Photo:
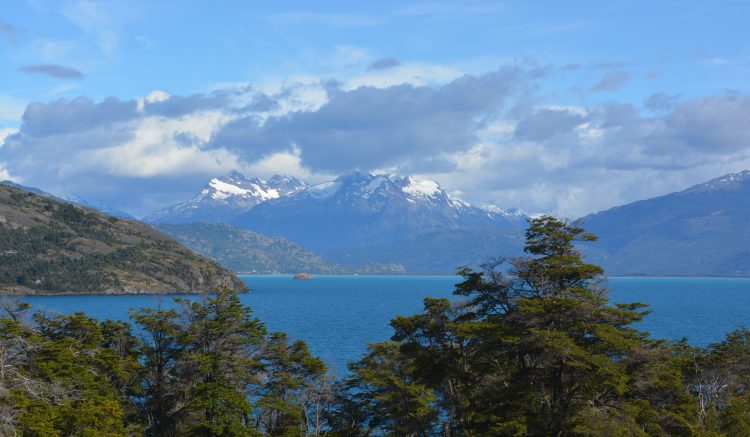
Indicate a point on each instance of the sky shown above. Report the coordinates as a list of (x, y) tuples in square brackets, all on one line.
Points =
[(551, 107)]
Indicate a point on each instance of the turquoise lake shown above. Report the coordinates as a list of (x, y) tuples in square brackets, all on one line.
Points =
[(339, 315)]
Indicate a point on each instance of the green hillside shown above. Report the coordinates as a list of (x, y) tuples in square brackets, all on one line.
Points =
[(50, 246)]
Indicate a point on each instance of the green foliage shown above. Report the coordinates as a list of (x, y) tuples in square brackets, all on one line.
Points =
[(536, 349), (295, 391), (76, 377), (533, 349), (211, 369)]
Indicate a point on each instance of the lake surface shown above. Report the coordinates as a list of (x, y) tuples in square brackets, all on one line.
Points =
[(339, 315)]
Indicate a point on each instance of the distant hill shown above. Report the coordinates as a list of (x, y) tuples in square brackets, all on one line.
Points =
[(51, 246), (701, 231), (248, 252), (438, 252), (226, 197)]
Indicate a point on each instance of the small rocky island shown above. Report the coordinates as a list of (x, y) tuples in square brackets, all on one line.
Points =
[(303, 276)]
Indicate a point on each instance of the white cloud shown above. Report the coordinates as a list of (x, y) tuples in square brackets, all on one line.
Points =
[(152, 97), (4, 175), (489, 136), (287, 163), (155, 148), (5, 132)]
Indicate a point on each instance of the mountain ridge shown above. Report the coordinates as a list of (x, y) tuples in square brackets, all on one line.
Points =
[(362, 209), (702, 230), (226, 196)]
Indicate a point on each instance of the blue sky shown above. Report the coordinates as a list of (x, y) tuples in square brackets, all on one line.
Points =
[(564, 107)]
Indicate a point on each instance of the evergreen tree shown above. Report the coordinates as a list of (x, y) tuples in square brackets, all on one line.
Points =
[(295, 390), (534, 349), (220, 358), (164, 391)]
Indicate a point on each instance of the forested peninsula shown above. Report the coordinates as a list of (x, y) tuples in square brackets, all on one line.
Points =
[(48, 246)]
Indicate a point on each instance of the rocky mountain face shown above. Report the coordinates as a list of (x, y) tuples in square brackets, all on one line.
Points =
[(703, 230), (223, 198), (363, 217), (51, 246), (363, 209)]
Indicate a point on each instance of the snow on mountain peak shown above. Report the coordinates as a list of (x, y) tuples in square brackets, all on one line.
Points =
[(733, 177), (224, 189), (324, 189), (512, 212), (421, 187), (374, 184), (226, 196), (254, 188), (731, 181)]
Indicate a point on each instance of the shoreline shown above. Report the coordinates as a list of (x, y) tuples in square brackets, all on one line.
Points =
[(453, 274), (4, 294)]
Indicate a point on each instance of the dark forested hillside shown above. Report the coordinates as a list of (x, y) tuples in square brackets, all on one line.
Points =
[(247, 251), (50, 246)]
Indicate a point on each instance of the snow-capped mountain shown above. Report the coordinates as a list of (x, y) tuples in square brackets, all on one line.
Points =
[(362, 209), (225, 197), (728, 182)]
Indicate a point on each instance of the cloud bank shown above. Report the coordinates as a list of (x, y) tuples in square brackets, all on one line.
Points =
[(488, 135)]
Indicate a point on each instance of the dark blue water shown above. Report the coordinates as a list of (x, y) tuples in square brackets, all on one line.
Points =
[(339, 315)]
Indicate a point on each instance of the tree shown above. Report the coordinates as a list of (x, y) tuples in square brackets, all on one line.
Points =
[(221, 343), (535, 348), (394, 402), (164, 392), (295, 391), (79, 378)]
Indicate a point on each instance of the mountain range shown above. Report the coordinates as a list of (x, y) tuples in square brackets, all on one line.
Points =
[(362, 222), (417, 224), (224, 198), (362, 209), (380, 223)]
